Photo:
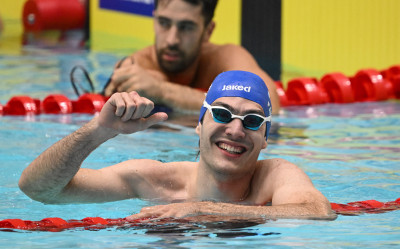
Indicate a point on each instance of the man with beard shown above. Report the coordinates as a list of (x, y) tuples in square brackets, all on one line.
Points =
[(182, 63)]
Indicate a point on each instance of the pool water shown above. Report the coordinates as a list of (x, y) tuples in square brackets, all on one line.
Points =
[(351, 152)]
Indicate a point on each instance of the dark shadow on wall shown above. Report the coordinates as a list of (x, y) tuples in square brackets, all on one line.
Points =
[(261, 33)]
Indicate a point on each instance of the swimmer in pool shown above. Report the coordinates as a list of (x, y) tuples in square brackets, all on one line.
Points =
[(228, 179), (182, 63)]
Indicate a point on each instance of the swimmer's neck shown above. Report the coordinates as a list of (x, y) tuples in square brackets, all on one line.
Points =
[(186, 77)]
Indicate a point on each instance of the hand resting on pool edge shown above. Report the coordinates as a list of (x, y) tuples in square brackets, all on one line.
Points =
[(227, 181)]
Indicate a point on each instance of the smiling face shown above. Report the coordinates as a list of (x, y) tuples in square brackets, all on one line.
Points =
[(180, 32), (230, 149)]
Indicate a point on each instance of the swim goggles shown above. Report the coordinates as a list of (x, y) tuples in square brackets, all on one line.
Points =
[(222, 115)]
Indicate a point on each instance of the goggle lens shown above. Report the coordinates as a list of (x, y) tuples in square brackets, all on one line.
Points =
[(252, 121), (249, 121), (222, 115)]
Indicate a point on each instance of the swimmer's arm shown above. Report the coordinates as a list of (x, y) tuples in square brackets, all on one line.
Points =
[(150, 83), (50, 176), (299, 205), (137, 178), (293, 189), (180, 98), (232, 57), (293, 193), (213, 210)]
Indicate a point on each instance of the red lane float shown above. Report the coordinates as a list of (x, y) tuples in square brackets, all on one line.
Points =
[(56, 224), (338, 88), (392, 75), (365, 85), (369, 85), (57, 104), (54, 104), (396, 86), (282, 94), (89, 103), (22, 105), (53, 15), (305, 91), (369, 206)]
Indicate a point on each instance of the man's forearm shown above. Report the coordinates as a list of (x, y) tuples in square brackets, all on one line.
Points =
[(297, 211), (48, 174), (181, 98), (203, 210)]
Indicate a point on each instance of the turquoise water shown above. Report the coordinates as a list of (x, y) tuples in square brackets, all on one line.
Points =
[(351, 152)]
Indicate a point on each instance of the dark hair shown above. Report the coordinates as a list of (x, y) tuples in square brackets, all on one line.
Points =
[(208, 8)]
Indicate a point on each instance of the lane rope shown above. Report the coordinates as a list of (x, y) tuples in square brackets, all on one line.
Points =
[(56, 224), (365, 85)]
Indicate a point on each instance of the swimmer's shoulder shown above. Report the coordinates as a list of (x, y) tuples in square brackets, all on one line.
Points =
[(146, 58), (153, 168), (264, 181), (217, 50), (278, 171), (274, 165), (268, 175), (219, 58), (214, 59)]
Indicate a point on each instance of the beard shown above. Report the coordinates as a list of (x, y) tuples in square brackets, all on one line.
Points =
[(181, 64)]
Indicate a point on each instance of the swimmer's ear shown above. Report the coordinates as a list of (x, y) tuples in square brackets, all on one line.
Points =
[(198, 127), (208, 32), (265, 144)]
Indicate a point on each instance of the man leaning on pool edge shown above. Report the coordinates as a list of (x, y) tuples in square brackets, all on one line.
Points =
[(182, 63), (228, 179)]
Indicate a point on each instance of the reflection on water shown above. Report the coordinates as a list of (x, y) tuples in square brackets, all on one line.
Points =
[(183, 227)]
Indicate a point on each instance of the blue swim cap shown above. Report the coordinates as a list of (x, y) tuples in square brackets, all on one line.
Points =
[(240, 84)]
